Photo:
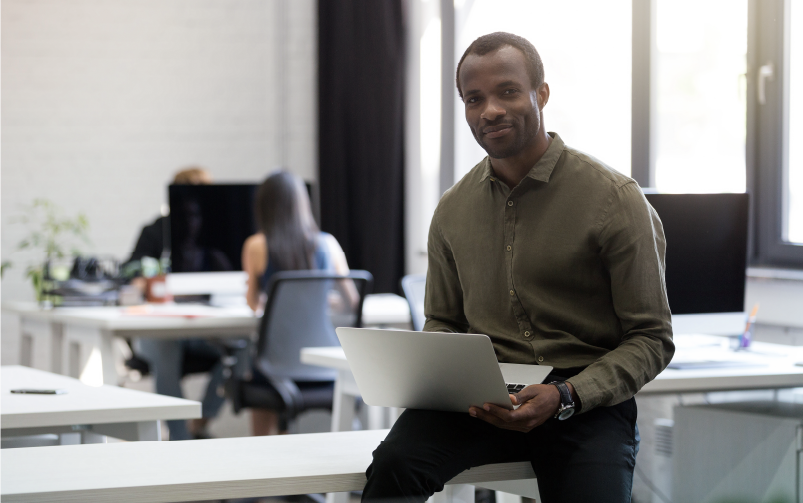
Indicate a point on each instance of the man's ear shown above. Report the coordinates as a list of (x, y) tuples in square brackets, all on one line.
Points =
[(543, 95)]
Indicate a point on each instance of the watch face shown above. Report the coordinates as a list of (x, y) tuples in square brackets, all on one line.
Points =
[(566, 414)]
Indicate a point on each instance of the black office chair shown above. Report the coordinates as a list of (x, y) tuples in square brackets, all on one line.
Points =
[(192, 363), (414, 286), (302, 310)]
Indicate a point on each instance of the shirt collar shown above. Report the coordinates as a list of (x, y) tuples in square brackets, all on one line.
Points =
[(542, 169)]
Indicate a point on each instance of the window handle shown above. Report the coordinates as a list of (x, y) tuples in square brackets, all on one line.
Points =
[(765, 72)]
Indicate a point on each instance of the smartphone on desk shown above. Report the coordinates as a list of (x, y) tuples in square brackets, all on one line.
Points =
[(39, 391)]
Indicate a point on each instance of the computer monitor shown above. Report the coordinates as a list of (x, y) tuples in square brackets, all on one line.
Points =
[(208, 226), (706, 260)]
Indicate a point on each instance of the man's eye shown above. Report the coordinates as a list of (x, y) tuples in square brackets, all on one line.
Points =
[(510, 91), (472, 100)]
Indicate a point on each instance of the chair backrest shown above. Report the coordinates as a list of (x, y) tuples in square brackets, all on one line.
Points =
[(414, 286), (301, 311)]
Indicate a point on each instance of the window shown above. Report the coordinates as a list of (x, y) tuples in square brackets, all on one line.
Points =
[(775, 127), (793, 218), (700, 63), (710, 91), (586, 63)]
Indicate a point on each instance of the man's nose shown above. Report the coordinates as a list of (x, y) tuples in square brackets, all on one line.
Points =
[(492, 111)]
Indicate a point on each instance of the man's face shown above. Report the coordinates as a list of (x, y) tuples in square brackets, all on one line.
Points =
[(502, 108)]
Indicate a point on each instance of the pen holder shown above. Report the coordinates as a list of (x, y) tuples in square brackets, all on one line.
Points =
[(746, 337)]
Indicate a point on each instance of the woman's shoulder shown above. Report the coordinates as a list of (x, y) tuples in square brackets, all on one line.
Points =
[(255, 251), (255, 240), (327, 240)]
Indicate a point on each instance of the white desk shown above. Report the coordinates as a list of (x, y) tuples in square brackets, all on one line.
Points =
[(72, 335), (225, 468), (766, 366), (386, 309), (107, 410), (776, 369)]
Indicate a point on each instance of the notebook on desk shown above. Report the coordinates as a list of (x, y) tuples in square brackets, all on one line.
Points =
[(432, 370)]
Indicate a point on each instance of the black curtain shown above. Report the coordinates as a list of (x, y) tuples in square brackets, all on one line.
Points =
[(361, 133)]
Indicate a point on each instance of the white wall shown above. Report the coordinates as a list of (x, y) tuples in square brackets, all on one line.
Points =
[(102, 101)]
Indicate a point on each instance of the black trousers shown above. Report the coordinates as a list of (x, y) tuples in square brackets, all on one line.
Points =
[(587, 458)]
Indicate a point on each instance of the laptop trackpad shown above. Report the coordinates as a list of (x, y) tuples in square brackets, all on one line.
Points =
[(524, 374)]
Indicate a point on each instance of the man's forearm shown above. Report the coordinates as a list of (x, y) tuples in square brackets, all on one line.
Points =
[(618, 375), (437, 325)]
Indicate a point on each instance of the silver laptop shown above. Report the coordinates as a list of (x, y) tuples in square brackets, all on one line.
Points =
[(432, 370)]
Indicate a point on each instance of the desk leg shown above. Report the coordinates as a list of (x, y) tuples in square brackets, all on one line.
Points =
[(28, 336), (90, 437), (511, 491), (72, 438), (107, 358), (142, 430), (89, 355), (343, 416), (343, 401), (503, 497), (377, 417), (337, 497), (56, 347), (41, 344), (149, 430), (457, 493)]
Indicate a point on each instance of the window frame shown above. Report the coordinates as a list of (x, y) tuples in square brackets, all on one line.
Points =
[(767, 152)]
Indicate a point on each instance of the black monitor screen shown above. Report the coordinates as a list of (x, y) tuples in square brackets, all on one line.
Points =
[(706, 250), (208, 226)]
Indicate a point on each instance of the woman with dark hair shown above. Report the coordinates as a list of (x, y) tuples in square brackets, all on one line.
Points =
[(288, 239)]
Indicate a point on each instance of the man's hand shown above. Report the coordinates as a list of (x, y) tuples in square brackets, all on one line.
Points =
[(538, 403)]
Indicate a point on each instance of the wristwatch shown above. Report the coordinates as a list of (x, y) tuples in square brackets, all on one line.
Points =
[(566, 409)]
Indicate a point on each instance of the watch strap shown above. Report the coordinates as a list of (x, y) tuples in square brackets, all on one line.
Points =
[(566, 409), (565, 394)]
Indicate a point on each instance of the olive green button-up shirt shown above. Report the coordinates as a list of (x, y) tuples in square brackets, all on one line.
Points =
[(566, 269)]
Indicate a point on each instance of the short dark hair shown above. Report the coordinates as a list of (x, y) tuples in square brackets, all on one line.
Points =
[(496, 40)]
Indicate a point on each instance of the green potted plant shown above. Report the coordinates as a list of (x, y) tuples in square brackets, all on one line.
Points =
[(53, 238)]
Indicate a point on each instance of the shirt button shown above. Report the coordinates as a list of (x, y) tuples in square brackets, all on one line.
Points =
[(526, 334), (510, 203), (540, 359), (509, 247), (512, 293)]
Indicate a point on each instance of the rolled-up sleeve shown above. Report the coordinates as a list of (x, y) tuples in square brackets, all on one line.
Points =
[(632, 247)]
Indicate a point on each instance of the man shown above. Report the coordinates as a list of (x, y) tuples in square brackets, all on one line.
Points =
[(165, 358), (151, 242), (560, 260)]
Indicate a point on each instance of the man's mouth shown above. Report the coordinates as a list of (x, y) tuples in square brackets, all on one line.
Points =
[(497, 131)]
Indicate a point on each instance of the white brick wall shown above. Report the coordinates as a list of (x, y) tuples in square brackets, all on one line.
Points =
[(102, 101)]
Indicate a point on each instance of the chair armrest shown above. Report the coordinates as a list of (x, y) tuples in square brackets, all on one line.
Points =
[(291, 395)]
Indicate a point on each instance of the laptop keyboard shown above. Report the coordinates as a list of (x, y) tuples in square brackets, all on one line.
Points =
[(515, 388)]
